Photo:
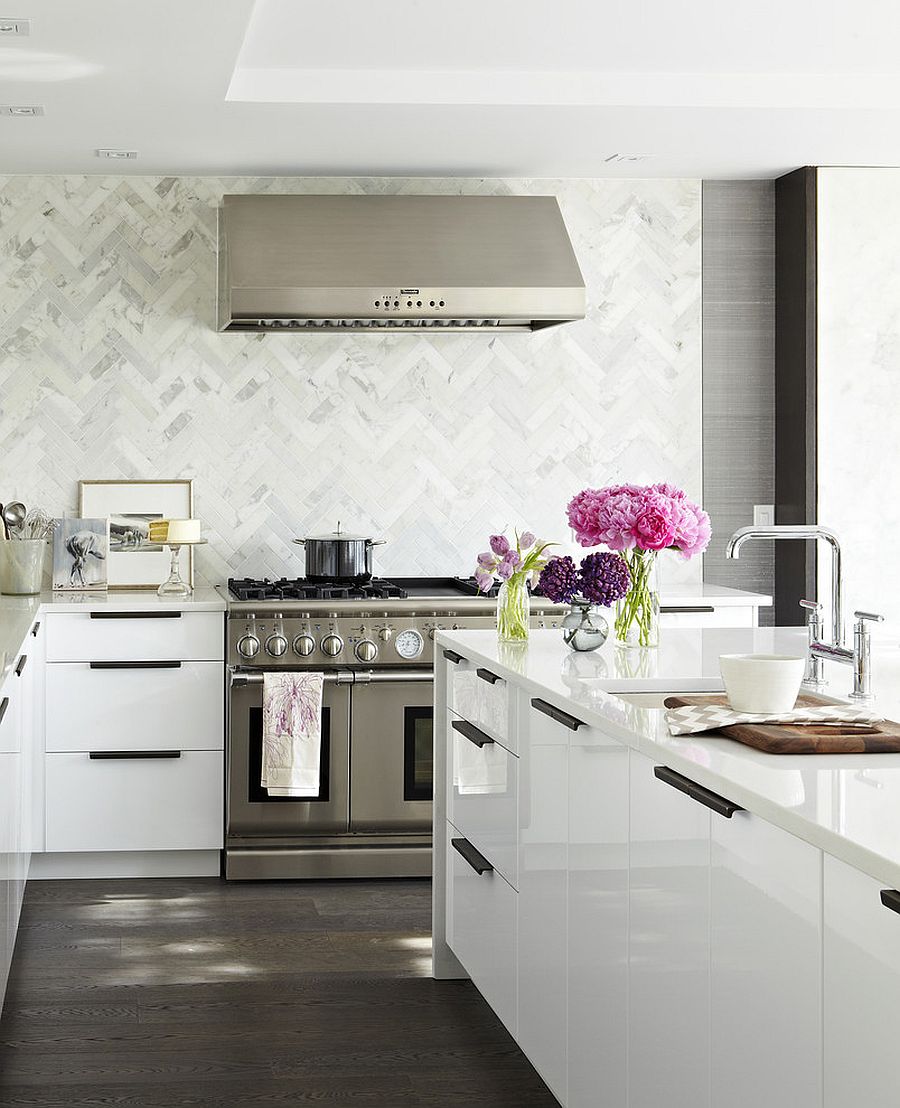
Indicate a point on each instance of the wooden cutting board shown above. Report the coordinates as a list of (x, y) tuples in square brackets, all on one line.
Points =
[(803, 738)]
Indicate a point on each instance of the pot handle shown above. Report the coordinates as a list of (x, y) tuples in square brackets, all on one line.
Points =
[(300, 542), (376, 542)]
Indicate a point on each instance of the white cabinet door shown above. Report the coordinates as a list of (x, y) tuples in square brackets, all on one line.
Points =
[(543, 884), (766, 965), (598, 921), (862, 989), (157, 634), (668, 995)]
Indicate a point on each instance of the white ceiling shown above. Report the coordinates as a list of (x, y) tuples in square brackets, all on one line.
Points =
[(467, 87)]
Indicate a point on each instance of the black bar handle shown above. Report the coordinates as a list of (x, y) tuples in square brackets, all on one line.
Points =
[(557, 714), (136, 615), (35, 629), (476, 860), (118, 755), (135, 665), (20, 665), (471, 732), (674, 608), (453, 657), (890, 898), (718, 804), (4, 704), (486, 675)]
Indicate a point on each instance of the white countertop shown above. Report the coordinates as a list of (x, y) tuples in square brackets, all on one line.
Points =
[(719, 595), (847, 805), (18, 613)]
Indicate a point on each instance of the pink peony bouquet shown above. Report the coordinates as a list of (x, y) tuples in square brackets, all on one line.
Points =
[(642, 517)]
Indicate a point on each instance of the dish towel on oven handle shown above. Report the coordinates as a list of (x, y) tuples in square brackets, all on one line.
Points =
[(692, 719), (292, 733)]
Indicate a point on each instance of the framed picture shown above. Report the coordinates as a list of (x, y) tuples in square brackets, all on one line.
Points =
[(80, 554), (135, 562)]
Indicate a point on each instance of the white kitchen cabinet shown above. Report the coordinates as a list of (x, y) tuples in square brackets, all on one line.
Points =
[(10, 800), (543, 888), (481, 696), (862, 989), (669, 951), (597, 963), (765, 967), (156, 634), (481, 924), (135, 706)]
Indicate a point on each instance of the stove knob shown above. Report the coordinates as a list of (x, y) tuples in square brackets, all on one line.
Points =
[(248, 646), (385, 634), (304, 645), (276, 645), (332, 645), (366, 650)]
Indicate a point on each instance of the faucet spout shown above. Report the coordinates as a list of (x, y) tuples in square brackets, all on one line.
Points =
[(801, 531)]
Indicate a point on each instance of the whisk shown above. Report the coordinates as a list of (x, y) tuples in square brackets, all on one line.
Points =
[(38, 524)]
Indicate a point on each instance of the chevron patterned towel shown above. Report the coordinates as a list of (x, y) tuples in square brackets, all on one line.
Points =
[(694, 718)]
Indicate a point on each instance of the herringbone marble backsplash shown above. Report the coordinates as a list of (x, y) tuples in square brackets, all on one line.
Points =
[(110, 368)]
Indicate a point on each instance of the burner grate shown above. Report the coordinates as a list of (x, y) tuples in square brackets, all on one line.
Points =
[(248, 588)]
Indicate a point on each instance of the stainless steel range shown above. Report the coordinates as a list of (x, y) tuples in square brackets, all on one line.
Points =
[(373, 642)]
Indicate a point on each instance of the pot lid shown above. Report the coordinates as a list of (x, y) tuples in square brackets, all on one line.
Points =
[(339, 536)]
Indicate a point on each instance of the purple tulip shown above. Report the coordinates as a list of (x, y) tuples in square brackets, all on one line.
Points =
[(526, 540), (512, 557), (487, 560), (485, 580), (499, 544), (505, 570)]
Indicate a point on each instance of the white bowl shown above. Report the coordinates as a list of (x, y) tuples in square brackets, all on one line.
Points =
[(764, 684)]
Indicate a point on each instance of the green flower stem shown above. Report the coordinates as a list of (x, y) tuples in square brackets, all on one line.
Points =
[(637, 613)]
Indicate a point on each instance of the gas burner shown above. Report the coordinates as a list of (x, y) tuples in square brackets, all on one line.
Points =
[(246, 588)]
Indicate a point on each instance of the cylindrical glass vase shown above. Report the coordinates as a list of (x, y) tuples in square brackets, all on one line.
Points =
[(513, 611), (22, 566), (637, 613)]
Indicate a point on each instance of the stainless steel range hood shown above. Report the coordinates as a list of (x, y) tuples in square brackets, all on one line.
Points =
[(395, 263)]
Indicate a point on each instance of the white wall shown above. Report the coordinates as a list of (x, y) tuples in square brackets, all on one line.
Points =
[(859, 384), (110, 368)]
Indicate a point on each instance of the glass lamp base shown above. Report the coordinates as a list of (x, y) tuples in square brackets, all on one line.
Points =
[(175, 585)]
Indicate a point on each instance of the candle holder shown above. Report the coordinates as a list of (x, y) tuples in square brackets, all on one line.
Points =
[(175, 587)]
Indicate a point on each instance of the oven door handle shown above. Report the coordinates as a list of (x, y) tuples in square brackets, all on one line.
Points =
[(342, 677)]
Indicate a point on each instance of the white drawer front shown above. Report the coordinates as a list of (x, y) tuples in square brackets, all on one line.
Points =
[(478, 695), (135, 637), (10, 720), (727, 616), (135, 804), (135, 708), (484, 794), (481, 930)]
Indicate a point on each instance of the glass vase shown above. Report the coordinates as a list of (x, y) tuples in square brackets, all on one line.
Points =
[(637, 613), (513, 611), (584, 627)]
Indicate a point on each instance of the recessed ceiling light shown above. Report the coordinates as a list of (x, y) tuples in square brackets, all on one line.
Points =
[(117, 154), (21, 109), (615, 159), (9, 28)]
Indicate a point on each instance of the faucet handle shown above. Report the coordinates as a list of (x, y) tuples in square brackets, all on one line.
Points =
[(811, 605), (863, 616)]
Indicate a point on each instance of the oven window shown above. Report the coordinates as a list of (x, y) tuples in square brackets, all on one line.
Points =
[(418, 753), (256, 794)]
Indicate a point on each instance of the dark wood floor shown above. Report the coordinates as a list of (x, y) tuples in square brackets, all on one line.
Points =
[(197, 993)]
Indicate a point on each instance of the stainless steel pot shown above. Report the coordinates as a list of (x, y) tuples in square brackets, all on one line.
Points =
[(339, 556)]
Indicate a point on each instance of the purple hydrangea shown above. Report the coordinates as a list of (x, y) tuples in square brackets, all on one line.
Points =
[(559, 580), (604, 578)]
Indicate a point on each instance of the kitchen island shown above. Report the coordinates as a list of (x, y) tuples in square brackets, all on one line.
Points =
[(736, 944)]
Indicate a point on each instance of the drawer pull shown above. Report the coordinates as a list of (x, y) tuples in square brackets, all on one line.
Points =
[(672, 609), (486, 675), (557, 714), (121, 755), (890, 898), (453, 657), (20, 665), (35, 629), (690, 788), (471, 732), (476, 860), (136, 615), (4, 704), (135, 665)]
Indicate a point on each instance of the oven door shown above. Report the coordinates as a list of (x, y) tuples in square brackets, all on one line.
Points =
[(251, 811), (392, 752)]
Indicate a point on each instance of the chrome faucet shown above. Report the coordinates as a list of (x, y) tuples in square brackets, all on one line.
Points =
[(802, 531), (860, 657)]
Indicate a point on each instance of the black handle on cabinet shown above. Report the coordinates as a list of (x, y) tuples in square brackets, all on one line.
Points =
[(35, 629), (135, 615), (669, 609), (453, 657), (119, 755), (4, 704), (557, 714), (690, 788), (135, 665), (476, 860), (486, 675), (471, 732), (890, 898), (20, 665)]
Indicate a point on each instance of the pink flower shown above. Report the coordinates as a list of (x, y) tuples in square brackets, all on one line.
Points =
[(692, 530), (654, 526), (499, 544)]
